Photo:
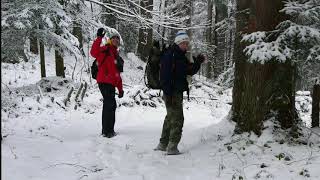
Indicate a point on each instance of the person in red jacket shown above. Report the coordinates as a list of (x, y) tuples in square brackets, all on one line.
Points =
[(108, 78)]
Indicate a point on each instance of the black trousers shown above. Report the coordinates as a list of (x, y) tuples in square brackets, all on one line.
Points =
[(109, 107)]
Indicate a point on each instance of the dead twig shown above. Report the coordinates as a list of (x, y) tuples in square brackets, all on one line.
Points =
[(14, 154), (70, 164), (84, 90), (61, 105), (308, 158), (83, 176), (53, 137), (78, 92), (7, 87), (68, 97), (40, 92), (312, 131)]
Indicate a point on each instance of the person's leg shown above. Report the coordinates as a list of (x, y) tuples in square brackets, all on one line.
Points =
[(103, 92), (164, 140), (109, 107), (176, 124)]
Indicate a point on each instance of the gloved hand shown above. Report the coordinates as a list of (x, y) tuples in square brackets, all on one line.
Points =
[(101, 32), (120, 95), (200, 58)]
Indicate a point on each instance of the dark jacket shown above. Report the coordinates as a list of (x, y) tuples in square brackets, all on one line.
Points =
[(174, 70)]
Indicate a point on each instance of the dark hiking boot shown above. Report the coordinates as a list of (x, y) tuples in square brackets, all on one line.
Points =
[(160, 147), (172, 149), (110, 135)]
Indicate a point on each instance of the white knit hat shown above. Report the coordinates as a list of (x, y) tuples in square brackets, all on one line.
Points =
[(114, 34), (181, 36)]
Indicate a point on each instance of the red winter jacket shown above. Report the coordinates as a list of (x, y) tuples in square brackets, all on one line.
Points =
[(107, 70)]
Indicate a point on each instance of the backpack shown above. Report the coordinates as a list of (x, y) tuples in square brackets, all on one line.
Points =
[(152, 71), (94, 67), (120, 63)]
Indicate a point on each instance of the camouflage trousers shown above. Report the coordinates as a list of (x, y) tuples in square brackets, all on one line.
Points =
[(173, 122)]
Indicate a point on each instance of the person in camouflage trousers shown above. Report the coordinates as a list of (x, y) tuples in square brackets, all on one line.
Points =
[(174, 68)]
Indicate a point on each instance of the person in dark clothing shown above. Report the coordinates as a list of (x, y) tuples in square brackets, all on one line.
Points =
[(108, 78), (173, 77)]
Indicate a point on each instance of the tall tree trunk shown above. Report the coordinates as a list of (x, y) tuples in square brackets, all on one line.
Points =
[(42, 57), (163, 8), (145, 33), (221, 12), (209, 39), (315, 116), (59, 64), (58, 54), (150, 30), (189, 7), (77, 31), (242, 20), (164, 36), (108, 17), (34, 45), (42, 60), (230, 34), (258, 88)]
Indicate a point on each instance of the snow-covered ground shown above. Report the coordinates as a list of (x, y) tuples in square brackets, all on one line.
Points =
[(45, 139)]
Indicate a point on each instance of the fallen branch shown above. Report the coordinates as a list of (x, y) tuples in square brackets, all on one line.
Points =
[(14, 154), (53, 137), (84, 90), (61, 105), (83, 176), (7, 87), (10, 134), (78, 92), (312, 131), (127, 85), (308, 158), (40, 92), (68, 97), (69, 164)]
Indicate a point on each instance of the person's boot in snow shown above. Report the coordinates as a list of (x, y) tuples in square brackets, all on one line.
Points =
[(172, 149), (110, 135), (160, 147)]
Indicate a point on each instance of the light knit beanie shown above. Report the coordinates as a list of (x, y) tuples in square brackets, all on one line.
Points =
[(181, 36), (114, 34)]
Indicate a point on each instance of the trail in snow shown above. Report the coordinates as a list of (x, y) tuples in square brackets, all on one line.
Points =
[(45, 142)]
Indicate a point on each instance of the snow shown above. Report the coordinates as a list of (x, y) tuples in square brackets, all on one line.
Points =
[(262, 52), (43, 141)]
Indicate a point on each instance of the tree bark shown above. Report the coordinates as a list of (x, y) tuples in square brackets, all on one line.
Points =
[(34, 45), (107, 17), (221, 12), (42, 61), (209, 38), (260, 89), (59, 64), (189, 7), (145, 33), (315, 116), (58, 54), (77, 31), (163, 7)]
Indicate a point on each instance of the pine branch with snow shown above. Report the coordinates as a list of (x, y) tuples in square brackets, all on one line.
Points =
[(299, 37), (296, 40)]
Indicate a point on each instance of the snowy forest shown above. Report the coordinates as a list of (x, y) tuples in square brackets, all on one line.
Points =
[(250, 111)]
